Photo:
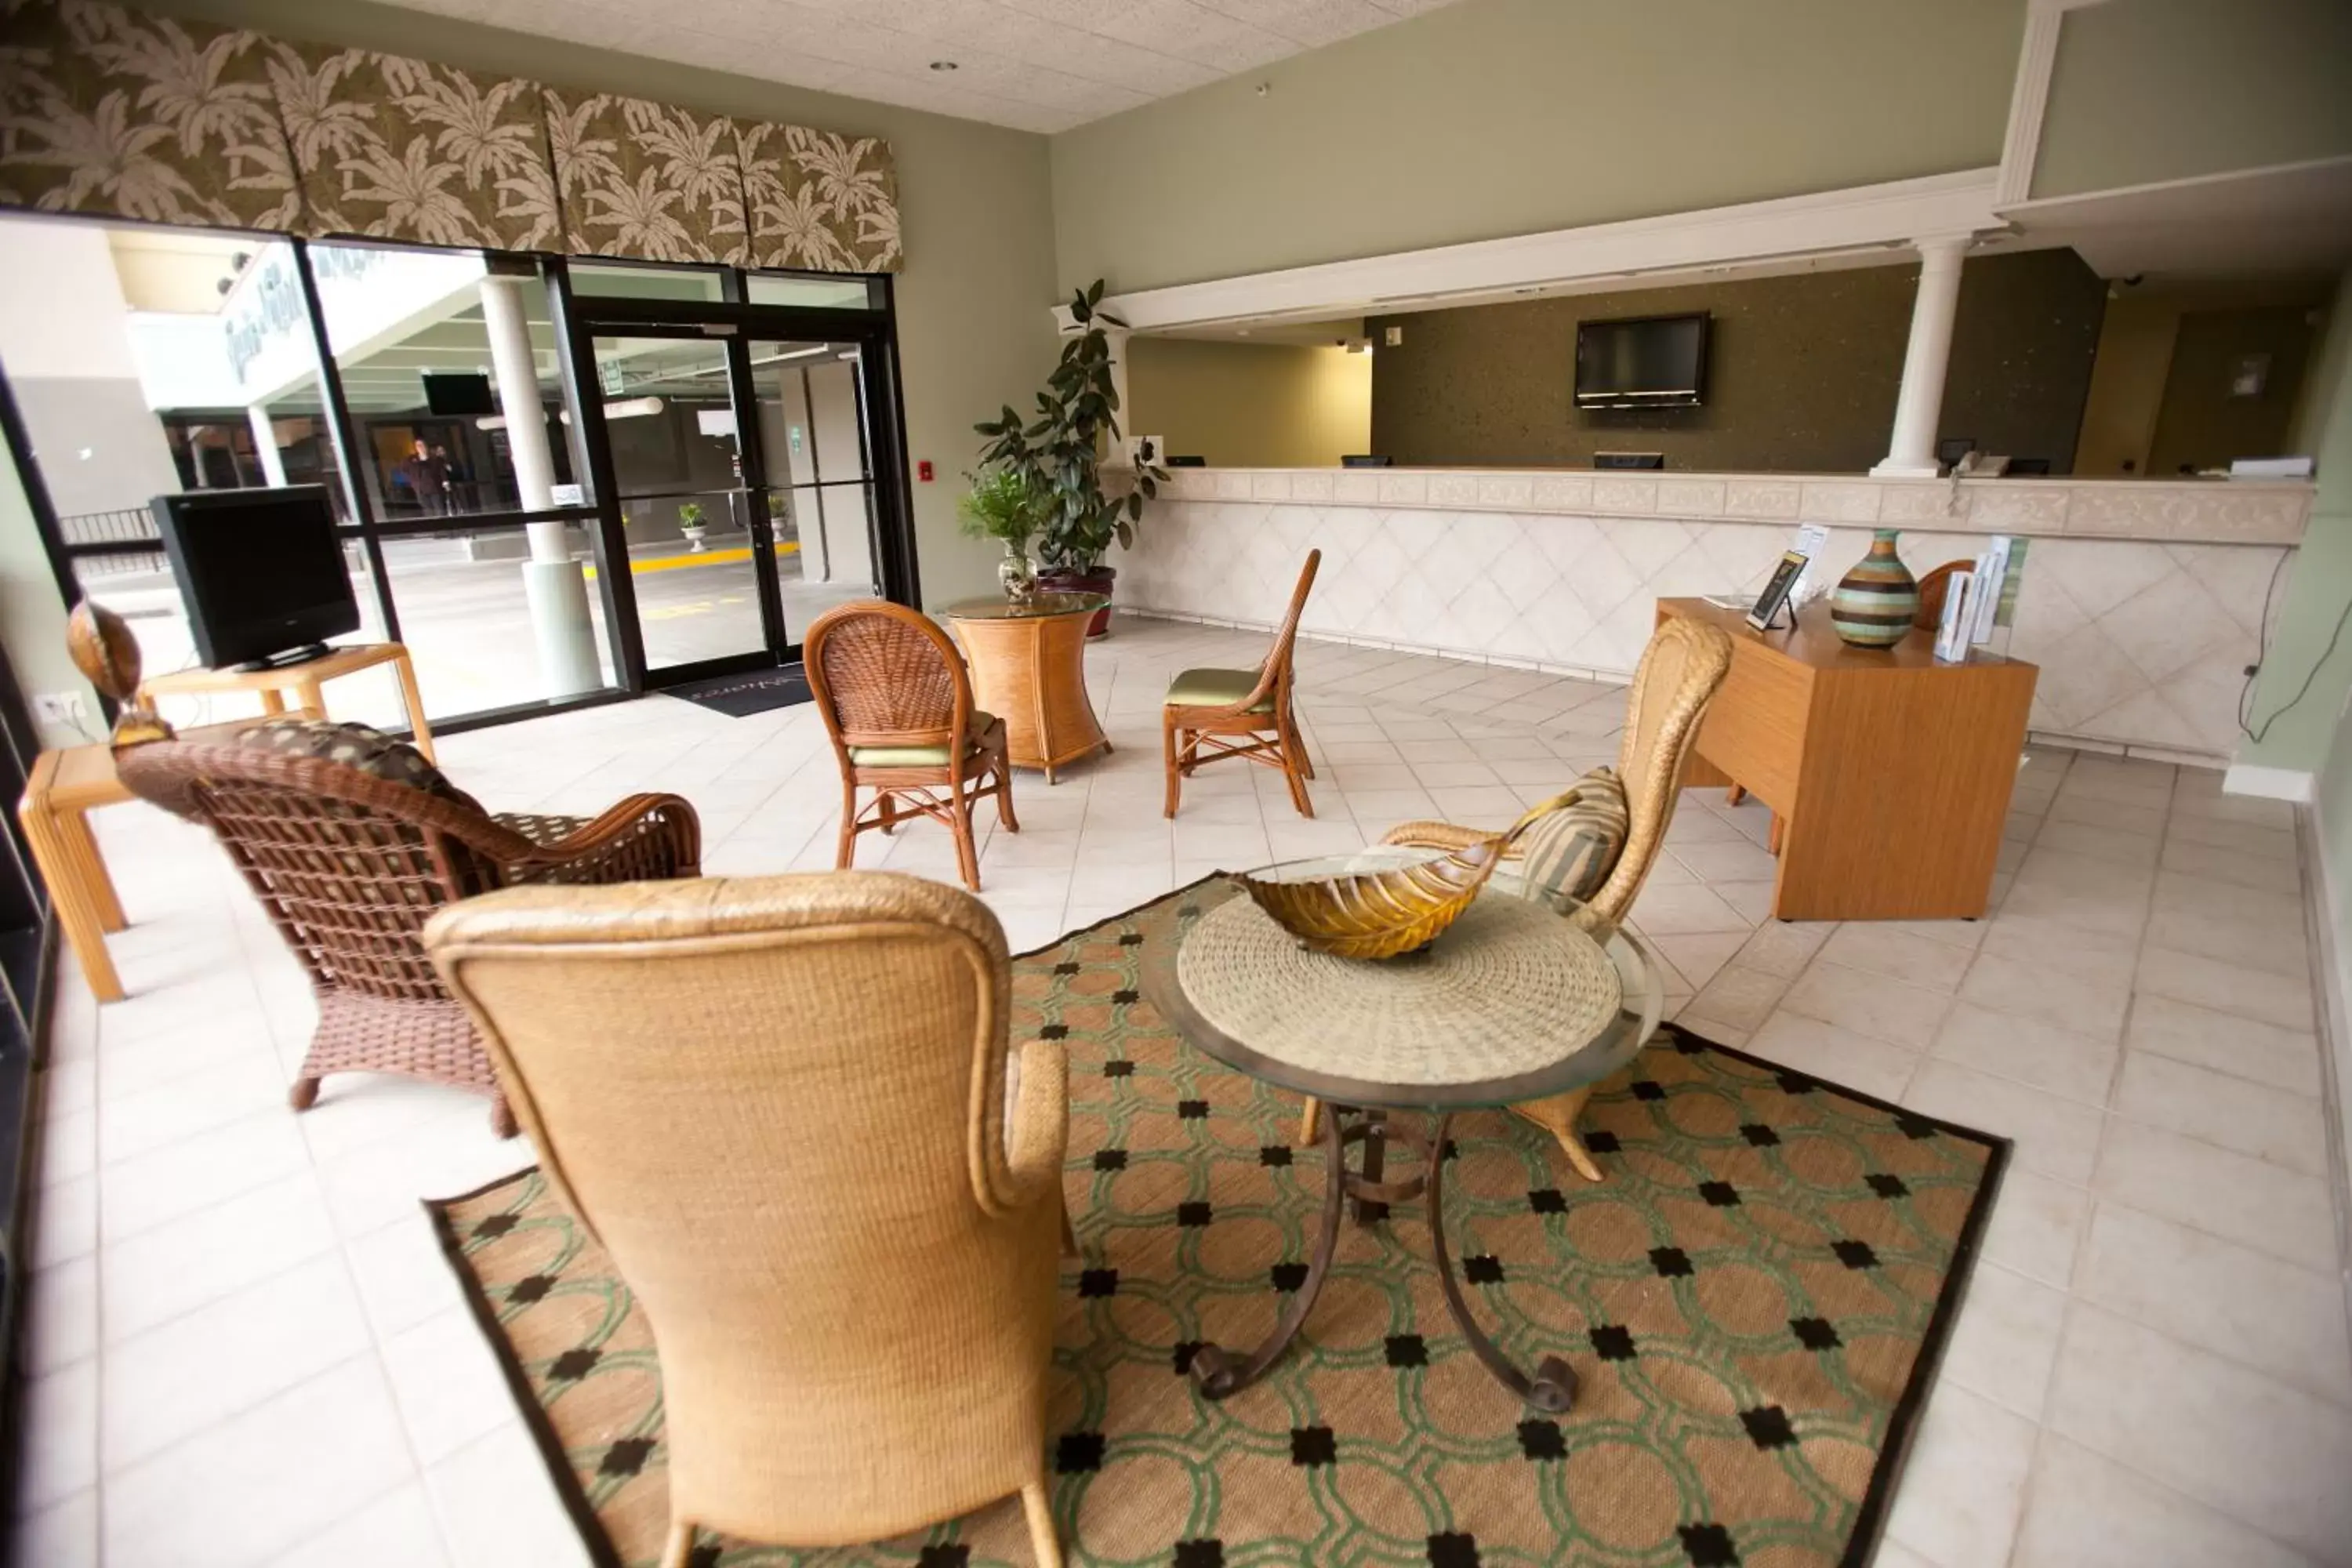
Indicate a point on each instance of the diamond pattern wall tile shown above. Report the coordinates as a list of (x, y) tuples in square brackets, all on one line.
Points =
[(2139, 642)]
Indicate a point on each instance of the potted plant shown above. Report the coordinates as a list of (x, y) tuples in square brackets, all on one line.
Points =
[(689, 524), (1059, 454), (1001, 506)]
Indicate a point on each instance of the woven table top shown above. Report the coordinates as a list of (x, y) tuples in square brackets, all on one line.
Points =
[(1509, 989)]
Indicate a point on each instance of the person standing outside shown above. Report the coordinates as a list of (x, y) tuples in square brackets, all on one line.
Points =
[(428, 479)]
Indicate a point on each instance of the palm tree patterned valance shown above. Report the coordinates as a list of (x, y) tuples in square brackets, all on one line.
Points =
[(120, 113)]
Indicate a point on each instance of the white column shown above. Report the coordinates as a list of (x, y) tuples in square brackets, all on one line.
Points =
[(265, 446), (1911, 454), (552, 581)]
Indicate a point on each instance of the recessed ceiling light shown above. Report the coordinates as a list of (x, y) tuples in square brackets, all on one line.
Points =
[(943, 64)]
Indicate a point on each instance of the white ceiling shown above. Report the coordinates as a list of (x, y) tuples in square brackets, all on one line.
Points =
[(1033, 64)]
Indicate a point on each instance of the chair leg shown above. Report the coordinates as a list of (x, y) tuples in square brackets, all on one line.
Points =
[(1004, 798), (502, 1116), (889, 805), (1779, 826), (846, 851), (679, 1551), (1558, 1117), (1069, 1235), (1039, 1508), (967, 857), (1735, 795), (1310, 1123), (1298, 742), (1292, 756), (1168, 745)]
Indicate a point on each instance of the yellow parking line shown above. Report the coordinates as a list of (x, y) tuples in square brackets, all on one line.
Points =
[(638, 567)]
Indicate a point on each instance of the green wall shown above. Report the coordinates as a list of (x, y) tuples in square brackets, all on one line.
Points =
[(2145, 91), (1251, 406), (974, 331), (1801, 372), (2317, 593), (1503, 117)]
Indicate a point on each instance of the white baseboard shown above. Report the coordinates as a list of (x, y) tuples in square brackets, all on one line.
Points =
[(2297, 785)]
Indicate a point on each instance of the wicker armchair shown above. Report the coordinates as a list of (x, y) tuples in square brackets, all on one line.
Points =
[(350, 867), (1677, 677), (780, 1104), (1206, 708), (896, 697)]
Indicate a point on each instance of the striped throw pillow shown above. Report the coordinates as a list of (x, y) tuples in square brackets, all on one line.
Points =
[(1569, 844)]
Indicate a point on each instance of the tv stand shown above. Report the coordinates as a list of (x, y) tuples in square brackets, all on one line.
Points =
[(310, 670), (306, 654)]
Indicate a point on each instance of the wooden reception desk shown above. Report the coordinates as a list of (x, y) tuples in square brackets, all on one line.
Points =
[(1889, 773)]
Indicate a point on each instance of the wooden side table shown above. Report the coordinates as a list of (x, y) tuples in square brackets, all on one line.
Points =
[(62, 789), (1029, 668), (304, 680)]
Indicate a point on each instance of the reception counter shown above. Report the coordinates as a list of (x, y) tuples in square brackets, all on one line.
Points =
[(2141, 601)]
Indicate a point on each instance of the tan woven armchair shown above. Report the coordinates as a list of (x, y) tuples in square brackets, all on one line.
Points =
[(897, 701), (1211, 714), (1677, 677), (780, 1104), (350, 867)]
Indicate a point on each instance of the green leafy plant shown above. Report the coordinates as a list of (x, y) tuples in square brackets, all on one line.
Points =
[(1059, 453), (1001, 505), (689, 515)]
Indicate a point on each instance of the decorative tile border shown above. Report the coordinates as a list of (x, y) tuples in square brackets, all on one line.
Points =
[(2203, 512)]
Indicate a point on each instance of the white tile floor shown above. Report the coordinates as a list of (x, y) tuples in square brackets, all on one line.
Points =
[(246, 1349)]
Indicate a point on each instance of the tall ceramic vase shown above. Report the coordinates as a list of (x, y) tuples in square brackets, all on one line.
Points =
[(1874, 602)]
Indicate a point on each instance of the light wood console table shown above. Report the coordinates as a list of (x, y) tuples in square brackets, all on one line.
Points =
[(1888, 774), (304, 680)]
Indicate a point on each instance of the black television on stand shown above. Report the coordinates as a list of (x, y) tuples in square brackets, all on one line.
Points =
[(261, 572)]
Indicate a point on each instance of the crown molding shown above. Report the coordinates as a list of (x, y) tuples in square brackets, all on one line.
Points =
[(1889, 216)]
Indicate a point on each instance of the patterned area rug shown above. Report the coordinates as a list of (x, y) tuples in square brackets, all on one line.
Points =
[(1754, 1301)]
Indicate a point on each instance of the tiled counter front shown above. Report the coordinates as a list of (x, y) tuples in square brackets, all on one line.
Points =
[(2142, 602)]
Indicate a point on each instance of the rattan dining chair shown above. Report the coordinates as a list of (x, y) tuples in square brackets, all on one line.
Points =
[(896, 698), (350, 865), (1211, 714), (780, 1104), (1680, 671)]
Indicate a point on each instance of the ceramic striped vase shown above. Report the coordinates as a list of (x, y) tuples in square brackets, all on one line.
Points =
[(1874, 602)]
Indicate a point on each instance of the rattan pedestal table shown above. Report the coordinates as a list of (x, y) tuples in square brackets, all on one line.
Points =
[(1028, 668), (1511, 1003)]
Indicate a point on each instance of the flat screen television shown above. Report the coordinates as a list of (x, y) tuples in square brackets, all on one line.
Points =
[(1644, 362), (261, 571), (459, 393)]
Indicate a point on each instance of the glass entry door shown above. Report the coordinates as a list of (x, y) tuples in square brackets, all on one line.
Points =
[(821, 492), (751, 471)]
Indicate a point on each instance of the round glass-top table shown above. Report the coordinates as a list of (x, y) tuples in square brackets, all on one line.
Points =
[(1511, 1003), (1028, 668)]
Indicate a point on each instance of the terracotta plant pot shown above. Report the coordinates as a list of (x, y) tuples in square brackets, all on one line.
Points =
[(1072, 580)]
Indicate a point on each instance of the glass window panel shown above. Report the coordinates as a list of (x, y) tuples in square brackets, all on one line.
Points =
[(466, 615), (813, 431), (410, 334), (812, 293), (620, 281)]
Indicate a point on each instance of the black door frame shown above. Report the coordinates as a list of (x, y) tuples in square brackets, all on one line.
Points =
[(736, 323)]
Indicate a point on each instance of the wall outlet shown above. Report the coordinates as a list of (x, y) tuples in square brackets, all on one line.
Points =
[(60, 708), (1393, 338)]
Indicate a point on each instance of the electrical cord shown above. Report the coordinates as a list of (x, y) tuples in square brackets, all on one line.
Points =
[(2261, 659)]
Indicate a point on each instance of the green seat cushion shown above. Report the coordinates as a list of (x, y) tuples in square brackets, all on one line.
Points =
[(917, 756), (1571, 843), (1214, 688)]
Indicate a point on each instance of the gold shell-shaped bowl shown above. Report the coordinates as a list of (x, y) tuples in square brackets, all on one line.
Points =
[(1379, 910)]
